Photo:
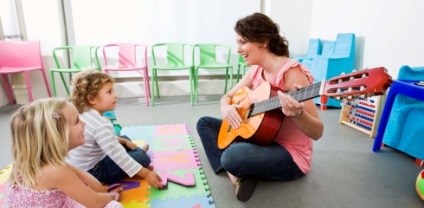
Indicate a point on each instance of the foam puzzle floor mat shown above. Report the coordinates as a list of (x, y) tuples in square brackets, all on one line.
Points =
[(175, 160)]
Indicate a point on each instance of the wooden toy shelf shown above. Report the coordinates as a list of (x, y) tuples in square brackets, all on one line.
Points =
[(362, 114)]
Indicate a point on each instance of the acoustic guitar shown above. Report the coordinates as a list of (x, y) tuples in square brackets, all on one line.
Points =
[(261, 110)]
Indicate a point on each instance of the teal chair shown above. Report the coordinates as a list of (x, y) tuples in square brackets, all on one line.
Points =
[(241, 67), (314, 48), (207, 54), (339, 58), (112, 117), (401, 123), (178, 57), (327, 48), (80, 57)]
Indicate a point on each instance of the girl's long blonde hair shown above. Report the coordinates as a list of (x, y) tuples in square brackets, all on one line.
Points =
[(39, 137)]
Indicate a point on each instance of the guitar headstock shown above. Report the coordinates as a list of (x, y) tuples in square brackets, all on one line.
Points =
[(366, 82)]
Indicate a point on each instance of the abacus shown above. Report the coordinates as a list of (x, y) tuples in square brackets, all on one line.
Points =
[(362, 113)]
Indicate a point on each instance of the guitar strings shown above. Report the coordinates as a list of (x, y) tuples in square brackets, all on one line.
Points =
[(273, 103)]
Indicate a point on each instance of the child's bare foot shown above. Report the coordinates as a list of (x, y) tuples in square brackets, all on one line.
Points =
[(115, 190), (145, 148)]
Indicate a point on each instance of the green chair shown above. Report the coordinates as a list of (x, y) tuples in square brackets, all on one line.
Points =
[(80, 57), (208, 60), (177, 58), (241, 66)]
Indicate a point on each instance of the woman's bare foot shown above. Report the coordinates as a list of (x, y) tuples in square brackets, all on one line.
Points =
[(233, 179), (145, 148)]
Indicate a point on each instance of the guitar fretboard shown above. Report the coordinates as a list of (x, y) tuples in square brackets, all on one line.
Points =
[(302, 94)]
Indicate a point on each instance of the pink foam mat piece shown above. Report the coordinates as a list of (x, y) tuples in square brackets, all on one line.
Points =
[(171, 129), (175, 160), (187, 180)]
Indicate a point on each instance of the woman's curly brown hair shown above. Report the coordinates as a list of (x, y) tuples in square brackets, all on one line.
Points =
[(86, 86), (260, 28)]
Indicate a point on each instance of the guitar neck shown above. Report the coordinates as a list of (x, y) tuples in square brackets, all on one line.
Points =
[(302, 94)]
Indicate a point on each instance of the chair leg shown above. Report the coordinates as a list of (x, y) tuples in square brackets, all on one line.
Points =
[(146, 86), (46, 82), (147, 79), (231, 78), (154, 83), (53, 83), (8, 89), (196, 84), (238, 73), (28, 84), (226, 80), (64, 83), (157, 83), (192, 86)]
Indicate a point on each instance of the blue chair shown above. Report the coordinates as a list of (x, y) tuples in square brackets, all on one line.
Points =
[(341, 60), (112, 117), (314, 48), (401, 123), (327, 48)]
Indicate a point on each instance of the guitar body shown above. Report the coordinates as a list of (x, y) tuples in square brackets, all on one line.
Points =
[(261, 114), (261, 128)]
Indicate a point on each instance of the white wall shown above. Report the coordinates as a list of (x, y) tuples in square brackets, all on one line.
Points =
[(294, 19), (149, 21), (391, 32)]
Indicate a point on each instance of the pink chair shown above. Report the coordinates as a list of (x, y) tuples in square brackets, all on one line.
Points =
[(127, 61), (17, 57)]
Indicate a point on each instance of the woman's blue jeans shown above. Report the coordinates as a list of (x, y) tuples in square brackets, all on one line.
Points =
[(244, 159), (108, 172)]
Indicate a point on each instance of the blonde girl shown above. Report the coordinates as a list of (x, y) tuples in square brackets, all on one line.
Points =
[(42, 134)]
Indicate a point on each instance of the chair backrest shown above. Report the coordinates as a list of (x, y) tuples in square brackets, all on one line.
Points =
[(175, 53), (241, 60), (82, 56), (127, 53), (208, 53), (314, 47), (345, 45), (20, 54), (327, 47)]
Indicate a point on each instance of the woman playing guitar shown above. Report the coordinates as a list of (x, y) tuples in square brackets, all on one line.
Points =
[(288, 156)]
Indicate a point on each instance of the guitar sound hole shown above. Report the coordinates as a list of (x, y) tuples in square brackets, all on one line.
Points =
[(229, 128), (250, 110)]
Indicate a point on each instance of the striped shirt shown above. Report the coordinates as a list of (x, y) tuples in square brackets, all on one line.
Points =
[(100, 141)]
